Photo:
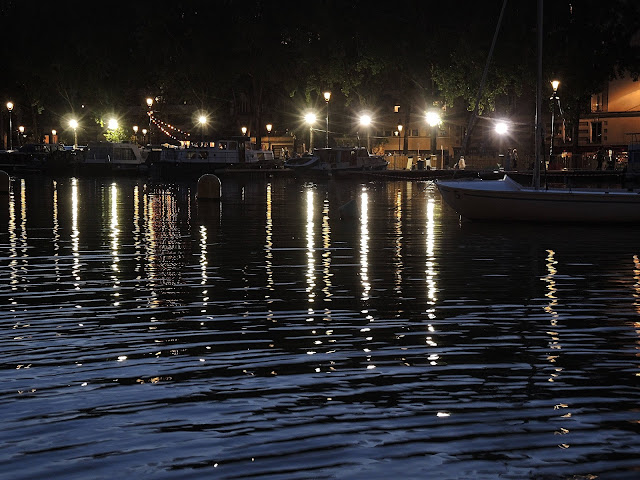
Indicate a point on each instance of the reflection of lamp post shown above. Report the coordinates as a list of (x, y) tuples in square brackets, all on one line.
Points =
[(327, 97), (399, 134), (10, 108), (269, 127), (554, 98), (203, 121), (310, 118), (433, 119), (365, 121), (150, 104), (74, 124)]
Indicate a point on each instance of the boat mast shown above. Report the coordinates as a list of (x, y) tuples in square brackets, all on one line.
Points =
[(538, 140)]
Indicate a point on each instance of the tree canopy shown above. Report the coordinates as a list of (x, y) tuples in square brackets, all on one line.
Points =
[(270, 59)]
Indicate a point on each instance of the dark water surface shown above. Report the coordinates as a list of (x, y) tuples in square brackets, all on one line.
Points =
[(148, 335)]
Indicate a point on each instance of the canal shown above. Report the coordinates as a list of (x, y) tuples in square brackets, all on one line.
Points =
[(147, 334)]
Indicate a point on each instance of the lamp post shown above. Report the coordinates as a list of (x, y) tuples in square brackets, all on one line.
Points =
[(310, 118), (433, 119), (502, 129), (554, 98), (74, 124), (53, 136), (135, 133), (21, 130), (365, 121), (269, 127), (399, 134), (10, 108), (203, 121), (244, 131), (144, 134), (327, 97), (149, 105)]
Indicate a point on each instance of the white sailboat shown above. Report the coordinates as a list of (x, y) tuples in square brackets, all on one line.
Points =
[(506, 200)]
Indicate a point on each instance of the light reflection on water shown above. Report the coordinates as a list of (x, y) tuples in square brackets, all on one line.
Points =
[(153, 335)]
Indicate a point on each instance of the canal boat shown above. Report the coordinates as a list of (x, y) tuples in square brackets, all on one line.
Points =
[(211, 156), (507, 200), (338, 159), (108, 157)]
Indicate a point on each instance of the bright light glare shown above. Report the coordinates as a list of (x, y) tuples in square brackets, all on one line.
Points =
[(202, 119), (501, 128), (310, 118), (73, 124), (433, 118), (365, 120), (113, 124)]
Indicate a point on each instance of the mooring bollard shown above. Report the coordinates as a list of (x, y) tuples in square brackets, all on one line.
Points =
[(4, 182), (209, 187)]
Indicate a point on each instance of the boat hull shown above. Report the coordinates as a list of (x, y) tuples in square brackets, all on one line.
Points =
[(504, 200)]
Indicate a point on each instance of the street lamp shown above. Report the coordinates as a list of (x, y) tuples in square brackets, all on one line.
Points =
[(399, 134), (53, 136), (554, 98), (244, 131), (21, 130), (73, 123), (502, 128), (10, 108), (203, 121), (135, 133), (144, 133), (149, 105), (433, 119), (269, 127), (310, 118), (365, 121), (113, 124), (327, 97)]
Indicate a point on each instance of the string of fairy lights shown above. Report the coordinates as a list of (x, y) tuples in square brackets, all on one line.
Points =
[(167, 129)]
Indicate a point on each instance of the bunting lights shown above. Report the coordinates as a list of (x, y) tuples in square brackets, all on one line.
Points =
[(168, 130)]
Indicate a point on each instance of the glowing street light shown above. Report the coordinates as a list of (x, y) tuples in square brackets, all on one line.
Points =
[(21, 130), (10, 108), (399, 134), (149, 105), (144, 133), (203, 121), (310, 118), (327, 97), (501, 127), (554, 98), (269, 127), (365, 121), (113, 124), (135, 133), (73, 123), (244, 131), (433, 119)]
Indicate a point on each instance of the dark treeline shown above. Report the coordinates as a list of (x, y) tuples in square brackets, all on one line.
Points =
[(260, 61)]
